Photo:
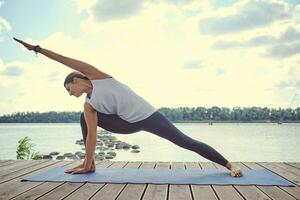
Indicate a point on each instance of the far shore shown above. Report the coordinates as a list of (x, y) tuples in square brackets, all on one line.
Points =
[(204, 122), (254, 121)]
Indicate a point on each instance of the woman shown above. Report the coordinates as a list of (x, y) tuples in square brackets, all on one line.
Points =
[(114, 107)]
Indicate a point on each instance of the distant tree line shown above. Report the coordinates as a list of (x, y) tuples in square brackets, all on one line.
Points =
[(236, 114), (180, 114), (37, 117)]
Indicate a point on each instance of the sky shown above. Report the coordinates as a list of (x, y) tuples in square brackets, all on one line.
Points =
[(173, 53)]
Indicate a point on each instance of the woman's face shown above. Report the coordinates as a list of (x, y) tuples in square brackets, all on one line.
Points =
[(74, 88)]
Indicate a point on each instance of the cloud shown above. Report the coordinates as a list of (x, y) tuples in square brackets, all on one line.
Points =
[(166, 47), (220, 71), (260, 40), (244, 15), (152, 43), (54, 76), (253, 42), (33, 89), (223, 44), (296, 13), (12, 71), (291, 34), (193, 64), (290, 79), (287, 84), (106, 10), (283, 50), (284, 45), (180, 2), (4, 25)]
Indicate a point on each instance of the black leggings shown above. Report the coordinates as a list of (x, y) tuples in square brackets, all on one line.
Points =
[(159, 125)]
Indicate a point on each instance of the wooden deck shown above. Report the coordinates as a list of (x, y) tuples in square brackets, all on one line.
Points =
[(12, 171)]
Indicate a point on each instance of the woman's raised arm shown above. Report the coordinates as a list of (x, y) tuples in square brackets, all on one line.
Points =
[(78, 65), (90, 71)]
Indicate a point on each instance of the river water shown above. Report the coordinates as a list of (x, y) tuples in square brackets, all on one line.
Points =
[(242, 142)]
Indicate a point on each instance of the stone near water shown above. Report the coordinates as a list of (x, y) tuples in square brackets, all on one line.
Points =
[(80, 154), (105, 141), (54, 153), (47, 157), (135, 146), (135, 151), (110, 145), (68, 155), (80, 142), (126, 146), (109, 157), (99, 157), (112, 153), (60, 157)]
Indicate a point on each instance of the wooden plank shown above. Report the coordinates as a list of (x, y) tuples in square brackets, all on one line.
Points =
[(200, 191), (89, 189), (6, 162), (291, 169), (297, 164), (3, 161), (64, 189), (179, 191), (136, 191), (132, 191), (46, 186), (11, 186), (18, 165), (294, 191), (15, 187), (111, 190), (36, 165), (12, 163), (281, 172), (250, 191), (223, 192), (157, 191), (273, 192), (165, 165)]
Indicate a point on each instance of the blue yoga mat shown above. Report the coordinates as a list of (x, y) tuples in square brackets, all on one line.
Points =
[(163, 176)]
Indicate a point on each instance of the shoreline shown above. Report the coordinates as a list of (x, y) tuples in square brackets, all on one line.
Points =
[(192, 121), (258, 121)]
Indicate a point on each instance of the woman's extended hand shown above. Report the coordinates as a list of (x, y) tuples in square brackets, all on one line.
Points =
[(28, 46)]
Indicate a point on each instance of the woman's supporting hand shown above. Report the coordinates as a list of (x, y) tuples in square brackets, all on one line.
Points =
[(82, 169), (28, 46), (72, 169)]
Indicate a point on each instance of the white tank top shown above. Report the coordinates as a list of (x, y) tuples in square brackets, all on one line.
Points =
[(109, 96)]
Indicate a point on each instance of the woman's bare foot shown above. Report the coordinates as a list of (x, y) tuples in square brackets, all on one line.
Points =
[(235, 170)]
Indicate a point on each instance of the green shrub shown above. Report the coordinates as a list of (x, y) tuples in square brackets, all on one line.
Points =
[(25, 150)]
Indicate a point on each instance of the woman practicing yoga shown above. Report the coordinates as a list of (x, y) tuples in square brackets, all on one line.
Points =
[(114, 107)]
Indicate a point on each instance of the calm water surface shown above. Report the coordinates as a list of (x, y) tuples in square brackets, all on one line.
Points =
[(255, 142)]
